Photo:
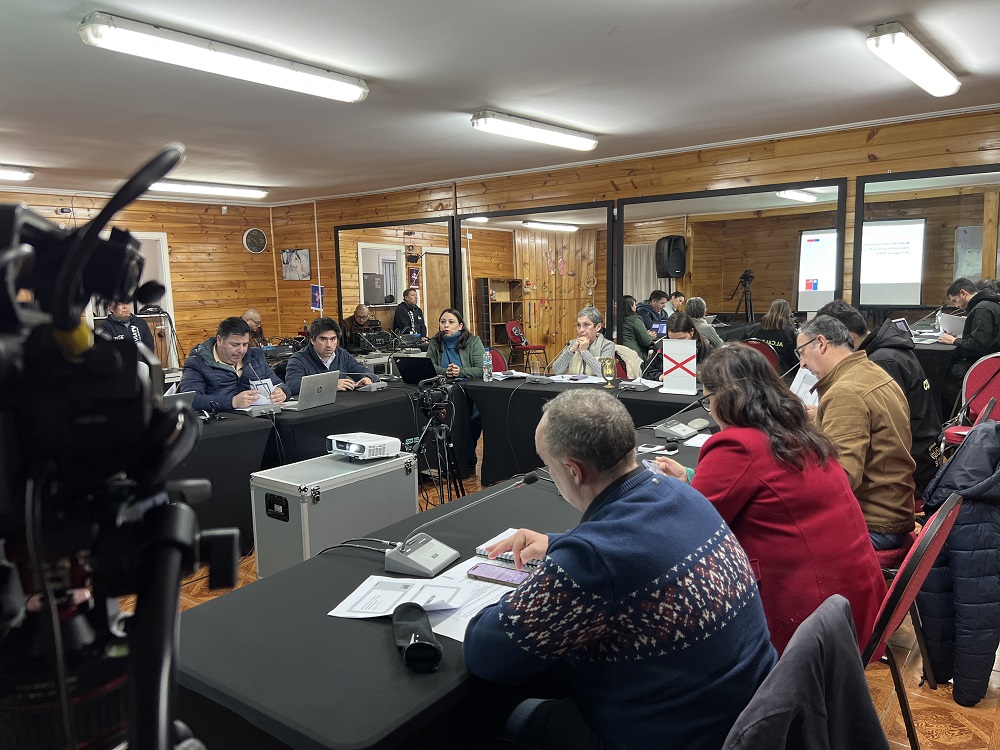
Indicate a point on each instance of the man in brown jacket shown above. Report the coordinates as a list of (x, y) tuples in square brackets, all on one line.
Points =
[(865, 414)]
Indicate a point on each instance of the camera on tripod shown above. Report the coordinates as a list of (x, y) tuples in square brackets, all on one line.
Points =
[(746, 278), (433, 398)]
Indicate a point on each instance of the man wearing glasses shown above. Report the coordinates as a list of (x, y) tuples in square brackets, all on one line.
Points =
[(324, 355), (254, 321), (864, 412)]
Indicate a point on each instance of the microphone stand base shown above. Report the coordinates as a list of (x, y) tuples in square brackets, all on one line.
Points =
[(423, 556)]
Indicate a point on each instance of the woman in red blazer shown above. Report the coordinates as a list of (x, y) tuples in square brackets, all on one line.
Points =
[(775, 480)]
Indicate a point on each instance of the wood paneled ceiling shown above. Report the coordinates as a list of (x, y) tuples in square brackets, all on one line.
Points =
[(646, 76)]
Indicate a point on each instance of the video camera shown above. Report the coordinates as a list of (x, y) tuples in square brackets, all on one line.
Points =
[(433, 398), (86, 513), (746, 278)]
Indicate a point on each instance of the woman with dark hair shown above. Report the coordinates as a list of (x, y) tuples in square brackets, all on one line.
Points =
[(680, 326), (458, 354), (778, 330), (774, 478), (454, 351), (634, 333)]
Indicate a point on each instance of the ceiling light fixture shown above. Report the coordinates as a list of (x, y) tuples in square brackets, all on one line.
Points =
[(203, 188), (548, 226), (20, 174), (177, 48), (896, 46), (798, 195), (477, 219), (530, 130)]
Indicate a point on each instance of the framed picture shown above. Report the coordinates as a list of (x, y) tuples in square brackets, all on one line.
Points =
[(295, 264), (316, 294), (412, 276)]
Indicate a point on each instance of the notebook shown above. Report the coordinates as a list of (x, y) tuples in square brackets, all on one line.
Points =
[(953, 324), (316, 390), (414, 369), (507, 558)]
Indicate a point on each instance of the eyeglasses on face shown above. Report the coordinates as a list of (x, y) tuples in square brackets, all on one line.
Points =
[(704, 402), (799, 349)]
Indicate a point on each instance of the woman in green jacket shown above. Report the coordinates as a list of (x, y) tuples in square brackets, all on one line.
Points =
[(458, 354), (634, 333)]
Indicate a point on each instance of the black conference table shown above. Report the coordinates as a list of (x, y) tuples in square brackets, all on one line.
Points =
[(265, 667), (231, 448), (511, 409)]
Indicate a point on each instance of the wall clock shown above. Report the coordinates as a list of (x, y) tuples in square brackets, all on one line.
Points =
[(254, 240)]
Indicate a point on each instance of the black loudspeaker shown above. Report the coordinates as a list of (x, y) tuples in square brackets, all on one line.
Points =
[(671, 257)]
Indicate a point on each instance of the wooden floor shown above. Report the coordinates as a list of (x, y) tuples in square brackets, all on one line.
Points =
[(941, 723)]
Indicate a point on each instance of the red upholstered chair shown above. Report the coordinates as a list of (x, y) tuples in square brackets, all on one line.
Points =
[(620, 372), (519, 344), (499, 363), (902, 591), (766, 349), (981, 384)]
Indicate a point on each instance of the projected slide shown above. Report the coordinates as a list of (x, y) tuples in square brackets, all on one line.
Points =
[(892, 262), (817, 269)]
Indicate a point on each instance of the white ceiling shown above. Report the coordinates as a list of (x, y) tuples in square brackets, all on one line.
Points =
[(645, 75)]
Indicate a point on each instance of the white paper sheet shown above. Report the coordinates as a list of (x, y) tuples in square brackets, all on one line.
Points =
[(378, 596), (804, 381), (577, 379), (697, 441), (953, 324), (452, 623)]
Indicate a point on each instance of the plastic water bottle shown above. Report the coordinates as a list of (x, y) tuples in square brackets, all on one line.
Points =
[(937, 321), (487, 366)]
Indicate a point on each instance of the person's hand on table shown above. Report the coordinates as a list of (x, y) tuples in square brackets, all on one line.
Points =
[(946, 338), (278, 395), (452, 371), (364, 381), (672, 468), (524, 543), (346, 384), (243, 399)]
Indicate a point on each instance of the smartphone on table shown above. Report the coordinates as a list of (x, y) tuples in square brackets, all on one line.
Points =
[(496, 574)]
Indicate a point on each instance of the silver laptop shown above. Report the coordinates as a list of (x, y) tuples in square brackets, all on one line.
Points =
[(184, 397), (710, 319), (315, 390)]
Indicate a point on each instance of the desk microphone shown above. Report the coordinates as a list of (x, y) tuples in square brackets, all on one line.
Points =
[(424, 556)]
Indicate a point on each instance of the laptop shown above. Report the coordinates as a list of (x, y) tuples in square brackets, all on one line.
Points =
[(710, 319), (315, 390), (903, 326), (660, 329), (414, 369), (184, 397)]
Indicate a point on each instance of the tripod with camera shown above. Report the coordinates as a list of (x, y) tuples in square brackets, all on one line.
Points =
[(435, 446), (746, 279)]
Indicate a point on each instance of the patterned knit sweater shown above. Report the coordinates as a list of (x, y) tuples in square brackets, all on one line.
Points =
[(652, 604)]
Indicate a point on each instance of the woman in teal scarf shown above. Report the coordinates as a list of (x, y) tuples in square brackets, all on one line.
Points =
[(458, 354)]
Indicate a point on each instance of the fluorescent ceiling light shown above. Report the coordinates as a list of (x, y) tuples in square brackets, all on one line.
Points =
[(547, 226), (201, 188), (529, 130), (798, 195), (20, 174), (896, 46), (477, 219), (177, 48)]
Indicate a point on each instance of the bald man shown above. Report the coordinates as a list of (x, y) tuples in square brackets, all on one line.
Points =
[(363, 321), (253, 319)]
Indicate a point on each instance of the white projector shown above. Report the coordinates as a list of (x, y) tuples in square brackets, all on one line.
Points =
[(362, 445)]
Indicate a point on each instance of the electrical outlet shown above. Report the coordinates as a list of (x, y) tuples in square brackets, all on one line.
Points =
[(225, 210)]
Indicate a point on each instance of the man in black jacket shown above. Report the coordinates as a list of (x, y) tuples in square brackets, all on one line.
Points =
[(122, 324), (409, 318), (324, 354), (892, 350), (981, 335)]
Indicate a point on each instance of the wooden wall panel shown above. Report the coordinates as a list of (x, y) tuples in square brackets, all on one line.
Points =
[(558, 265), (491, 257), (294, 227)]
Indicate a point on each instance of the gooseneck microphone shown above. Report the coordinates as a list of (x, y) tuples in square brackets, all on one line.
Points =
[(422, 555), (265, 383)]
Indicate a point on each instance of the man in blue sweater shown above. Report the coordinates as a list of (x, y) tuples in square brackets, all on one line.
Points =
[(649, 606), (227, 374), (323, 354)]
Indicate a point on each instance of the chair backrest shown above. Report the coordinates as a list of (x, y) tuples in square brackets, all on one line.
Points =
[(620, 371), (499, 363), (911, 575), (816, 695), (766, 349), (515, 332), (982, 382)]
